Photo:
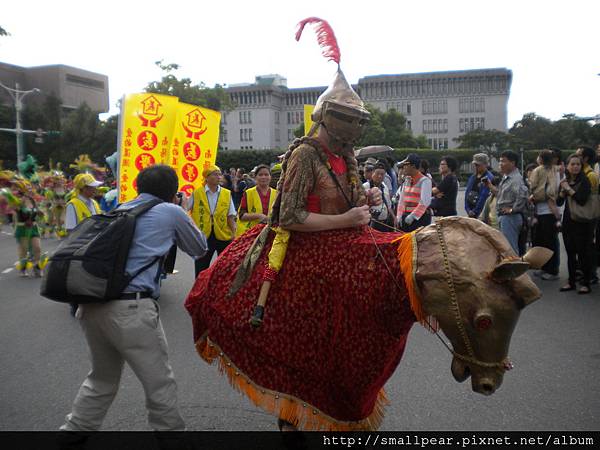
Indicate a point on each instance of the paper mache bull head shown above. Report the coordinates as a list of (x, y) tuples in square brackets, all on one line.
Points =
[(490, 288)]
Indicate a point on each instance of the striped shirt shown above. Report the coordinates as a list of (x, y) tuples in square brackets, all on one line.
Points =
[(414, 196)]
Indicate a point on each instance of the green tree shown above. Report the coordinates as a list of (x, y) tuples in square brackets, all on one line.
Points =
[(195, 94), (484, 138), (299, 130), (374, 133), (532, 132), (3, 32)]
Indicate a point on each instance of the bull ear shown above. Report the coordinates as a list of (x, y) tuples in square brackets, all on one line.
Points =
[(509, 270), (537, 256)]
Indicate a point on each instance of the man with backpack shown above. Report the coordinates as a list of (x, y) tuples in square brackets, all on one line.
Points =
[(128, 328)]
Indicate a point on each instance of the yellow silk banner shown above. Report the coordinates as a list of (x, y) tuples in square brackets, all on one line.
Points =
[(158, 129), (308, 109), (194, 144), (147, 122)]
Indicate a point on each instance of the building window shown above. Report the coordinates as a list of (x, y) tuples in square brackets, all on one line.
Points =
[(250, 134), (289, 116), (241, 135), (88, 82), (277, 135), (276, 117), (249, 116), (224, 118), (290, 134), (408, 125), (408, 109), (223, 136)]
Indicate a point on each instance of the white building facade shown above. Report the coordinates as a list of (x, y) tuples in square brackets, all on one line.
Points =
[(439, 105)]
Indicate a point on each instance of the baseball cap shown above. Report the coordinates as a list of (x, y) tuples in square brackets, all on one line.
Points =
[(412, 159), (86, 179), (481, 159)]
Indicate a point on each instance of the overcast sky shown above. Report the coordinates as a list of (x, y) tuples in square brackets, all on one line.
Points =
[(552, 47)]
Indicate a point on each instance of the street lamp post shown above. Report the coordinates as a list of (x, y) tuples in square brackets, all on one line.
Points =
[(18, 96)]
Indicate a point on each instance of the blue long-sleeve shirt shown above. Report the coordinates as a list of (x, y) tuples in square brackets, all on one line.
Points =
[(155, 232), (483, 192)]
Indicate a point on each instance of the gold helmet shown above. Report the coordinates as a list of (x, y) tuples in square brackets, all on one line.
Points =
[(339, 109)]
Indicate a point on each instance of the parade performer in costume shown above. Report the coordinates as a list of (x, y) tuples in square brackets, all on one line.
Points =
[(55, 192), (303, 375), (27, 233), (257, 202)]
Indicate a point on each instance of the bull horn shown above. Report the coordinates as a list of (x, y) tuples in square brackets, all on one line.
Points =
[(509, 269), (537, 256)]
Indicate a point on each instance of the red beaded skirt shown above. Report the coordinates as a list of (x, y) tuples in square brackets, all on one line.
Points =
[(335, 326)]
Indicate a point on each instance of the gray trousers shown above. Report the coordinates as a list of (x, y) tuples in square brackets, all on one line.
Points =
[(117, 332)]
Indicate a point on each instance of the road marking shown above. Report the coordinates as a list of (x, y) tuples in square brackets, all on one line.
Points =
[(10, 269)]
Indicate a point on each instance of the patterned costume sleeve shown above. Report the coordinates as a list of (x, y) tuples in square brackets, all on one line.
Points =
[(298, 183)]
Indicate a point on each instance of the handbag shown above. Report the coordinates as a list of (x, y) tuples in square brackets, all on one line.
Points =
[(585, 213)]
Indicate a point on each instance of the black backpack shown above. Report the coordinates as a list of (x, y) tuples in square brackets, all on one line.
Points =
[(89, 265)]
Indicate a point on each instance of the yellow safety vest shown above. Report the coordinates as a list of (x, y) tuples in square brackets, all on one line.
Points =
[(217, 221), (253, 205), (81, 209)]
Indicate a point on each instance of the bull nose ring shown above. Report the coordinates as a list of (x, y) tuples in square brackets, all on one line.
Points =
[(508, 365)]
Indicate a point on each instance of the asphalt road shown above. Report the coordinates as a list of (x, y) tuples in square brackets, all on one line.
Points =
[(554, 386)]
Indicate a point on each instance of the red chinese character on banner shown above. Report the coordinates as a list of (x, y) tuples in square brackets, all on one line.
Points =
[(189, 172), (147, 140), (144, 160), (123, 187), (127, 142), (207, 164), (191, 151), (173, 162), (188, 189), (129, 132), (126, 153), (176, 142), (207, 154), (125, 161), (165, 141), (122, 198), (125, 178)]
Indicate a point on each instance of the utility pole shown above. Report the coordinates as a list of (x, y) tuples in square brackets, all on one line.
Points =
[(18, 96)]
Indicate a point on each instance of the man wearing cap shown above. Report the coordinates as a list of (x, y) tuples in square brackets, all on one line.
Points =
[(477, 191), (82, 205), (414, 196), (214, 213)]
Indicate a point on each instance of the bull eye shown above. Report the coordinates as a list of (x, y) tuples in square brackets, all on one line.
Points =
[(483, 322)]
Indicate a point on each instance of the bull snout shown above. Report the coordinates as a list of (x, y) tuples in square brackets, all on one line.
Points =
[(486, 384), (482, 382)]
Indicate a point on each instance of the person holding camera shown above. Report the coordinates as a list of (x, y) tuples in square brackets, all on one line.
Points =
[(512, 195), (578, 234), (382, 216), (128, 329), (477, 190)]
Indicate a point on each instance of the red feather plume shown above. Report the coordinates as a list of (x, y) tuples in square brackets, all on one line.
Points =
[(325, 37)]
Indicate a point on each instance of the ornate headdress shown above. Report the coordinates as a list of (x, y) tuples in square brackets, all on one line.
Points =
[(339, 109)]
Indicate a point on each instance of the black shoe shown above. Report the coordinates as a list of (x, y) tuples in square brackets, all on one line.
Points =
[(594, 280), (567, 287), (74, 307)]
